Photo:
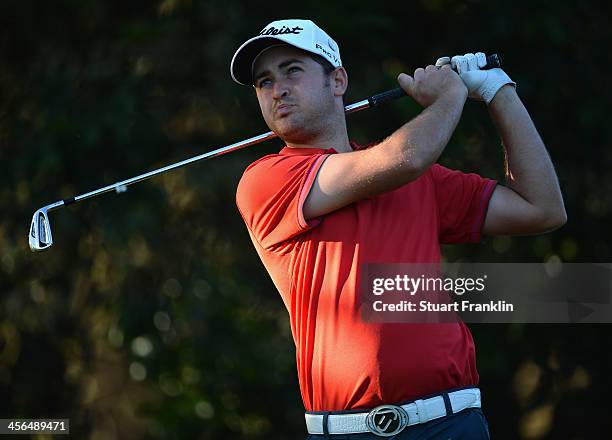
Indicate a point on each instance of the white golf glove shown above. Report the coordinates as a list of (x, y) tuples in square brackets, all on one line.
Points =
[(482, 85)]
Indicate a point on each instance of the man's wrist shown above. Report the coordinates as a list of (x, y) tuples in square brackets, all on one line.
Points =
[(452, 103), (454, 97), (496, 79), (506, 93)]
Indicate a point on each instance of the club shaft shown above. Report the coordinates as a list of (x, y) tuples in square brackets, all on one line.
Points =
[(218, 152), (117, 186), (361, 105)]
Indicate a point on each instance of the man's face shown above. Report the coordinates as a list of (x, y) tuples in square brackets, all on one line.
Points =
[(294, 93)]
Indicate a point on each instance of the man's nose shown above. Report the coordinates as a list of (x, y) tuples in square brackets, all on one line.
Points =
[(280, 90)]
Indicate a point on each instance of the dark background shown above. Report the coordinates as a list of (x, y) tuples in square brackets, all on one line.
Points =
[(152, 316)]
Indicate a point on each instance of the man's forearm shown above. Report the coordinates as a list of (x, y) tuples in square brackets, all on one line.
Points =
[(529, 170), (421, 141)]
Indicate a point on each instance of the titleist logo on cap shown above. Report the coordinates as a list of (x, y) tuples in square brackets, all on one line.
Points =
[(284, 30)]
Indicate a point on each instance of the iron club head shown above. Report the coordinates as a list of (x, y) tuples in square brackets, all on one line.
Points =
[(40, 231)]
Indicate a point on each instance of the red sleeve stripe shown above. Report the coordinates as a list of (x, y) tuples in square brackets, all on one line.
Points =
[(482, 209), (308, 181)]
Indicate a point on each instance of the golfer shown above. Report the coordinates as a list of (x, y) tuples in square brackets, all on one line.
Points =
[(324, 206)]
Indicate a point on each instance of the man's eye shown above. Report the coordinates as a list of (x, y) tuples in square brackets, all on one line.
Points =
[(293, 69), (263, 83)]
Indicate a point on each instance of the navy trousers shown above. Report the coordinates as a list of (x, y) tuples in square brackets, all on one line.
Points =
[(469, 424)]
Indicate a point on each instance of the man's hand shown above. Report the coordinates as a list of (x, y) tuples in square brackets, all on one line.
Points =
[(482, 84), (432, 83)]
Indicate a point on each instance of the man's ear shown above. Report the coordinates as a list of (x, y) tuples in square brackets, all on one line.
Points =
[(339, 81)]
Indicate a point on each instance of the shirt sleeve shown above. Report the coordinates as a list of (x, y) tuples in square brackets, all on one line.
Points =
[(271, 195), (462, 201)]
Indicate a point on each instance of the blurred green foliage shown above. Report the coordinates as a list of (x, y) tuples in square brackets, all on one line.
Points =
[(152, 316)]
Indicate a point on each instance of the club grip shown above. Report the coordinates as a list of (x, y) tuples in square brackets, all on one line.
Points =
[(493, 61), (384, 97)]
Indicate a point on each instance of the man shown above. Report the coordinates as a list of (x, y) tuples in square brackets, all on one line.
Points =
[(322, 207)]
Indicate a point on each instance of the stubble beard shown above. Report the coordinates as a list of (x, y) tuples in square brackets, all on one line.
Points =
[(303, 128), (294, 128)]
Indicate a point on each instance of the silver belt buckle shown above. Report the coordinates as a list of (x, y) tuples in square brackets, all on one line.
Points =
[(387, 420)]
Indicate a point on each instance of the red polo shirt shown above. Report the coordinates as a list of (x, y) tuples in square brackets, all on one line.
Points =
[(343, 362)]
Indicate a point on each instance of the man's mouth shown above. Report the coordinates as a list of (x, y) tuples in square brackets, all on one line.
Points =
[(283, 109)]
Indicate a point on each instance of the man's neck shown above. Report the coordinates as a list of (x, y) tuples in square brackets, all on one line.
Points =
[(341, 144), (333, 136)]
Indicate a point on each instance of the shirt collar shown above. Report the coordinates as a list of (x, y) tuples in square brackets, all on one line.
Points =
[(288, 151)]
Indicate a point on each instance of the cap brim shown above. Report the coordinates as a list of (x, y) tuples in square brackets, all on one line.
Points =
[(242, 62)]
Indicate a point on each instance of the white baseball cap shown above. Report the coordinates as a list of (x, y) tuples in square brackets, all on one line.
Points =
[(303, 34)]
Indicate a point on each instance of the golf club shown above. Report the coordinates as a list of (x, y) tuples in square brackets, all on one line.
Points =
[(40, 237)]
